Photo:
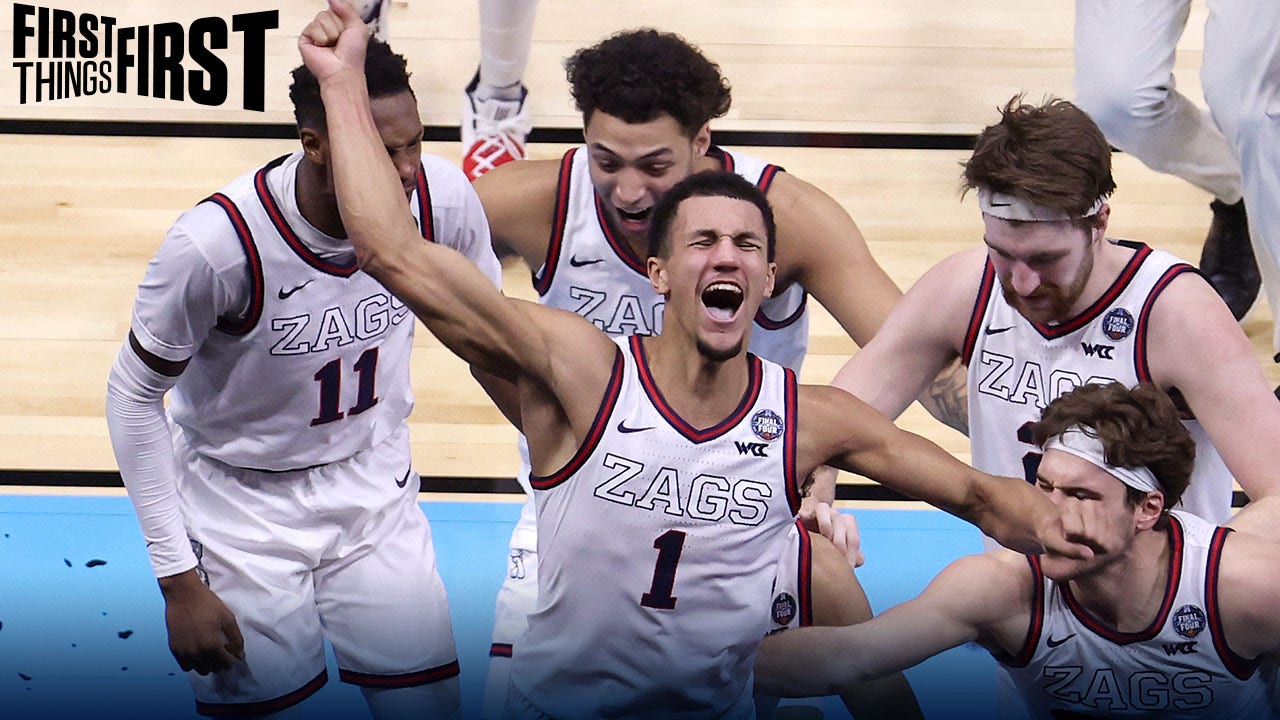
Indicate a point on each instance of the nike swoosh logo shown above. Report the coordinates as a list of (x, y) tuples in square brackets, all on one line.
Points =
[(574, 261), (1055, 643), (996, 331), (622, 427), (404, 480), (284, 295)]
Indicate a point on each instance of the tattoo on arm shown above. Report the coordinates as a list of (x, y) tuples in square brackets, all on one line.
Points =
[(947, 399)]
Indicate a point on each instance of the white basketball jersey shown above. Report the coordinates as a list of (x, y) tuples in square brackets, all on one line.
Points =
[(1073, 665), (685, 527), (1017, 367), (318, 367), (590, 269)]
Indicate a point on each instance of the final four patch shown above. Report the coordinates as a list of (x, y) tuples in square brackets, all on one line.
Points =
[(1117, 324), (784, 609), (767, 425), (1188, 621)]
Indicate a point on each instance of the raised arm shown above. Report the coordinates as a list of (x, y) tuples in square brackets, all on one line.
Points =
[(456, 302), (1218, 374), (842, 431), (981, 597)]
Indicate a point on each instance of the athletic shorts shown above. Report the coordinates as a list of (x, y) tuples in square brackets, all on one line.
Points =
[(341, 551)]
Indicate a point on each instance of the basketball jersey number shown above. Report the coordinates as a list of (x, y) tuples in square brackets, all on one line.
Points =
[(1031, 460), (669, 545), (330, 379)]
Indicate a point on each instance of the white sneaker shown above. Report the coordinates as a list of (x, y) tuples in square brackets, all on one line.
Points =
[(377, 15), (494, 131)]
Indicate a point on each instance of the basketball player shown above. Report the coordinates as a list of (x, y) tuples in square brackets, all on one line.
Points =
[(680, 443), (1170, 617), (1049, 303), (283, 508), (646, 99)]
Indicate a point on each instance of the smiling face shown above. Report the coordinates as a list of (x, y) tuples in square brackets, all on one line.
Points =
[(1096, 512), (714, 271), (634, 164), (1043, 266)]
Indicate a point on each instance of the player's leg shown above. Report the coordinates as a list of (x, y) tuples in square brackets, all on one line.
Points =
[(1124, 57), (380, 596), (495, 121), (516, 600), (1241, 64), (251, 542)]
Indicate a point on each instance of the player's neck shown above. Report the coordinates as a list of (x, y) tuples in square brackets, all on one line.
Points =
[(1108, 262), (1127, 594), (316, 202), (703, 391)]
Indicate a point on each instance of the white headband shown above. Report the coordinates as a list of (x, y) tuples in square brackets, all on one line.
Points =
[(1081, 442), (1008, 207)]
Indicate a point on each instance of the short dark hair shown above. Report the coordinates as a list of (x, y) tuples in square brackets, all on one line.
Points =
[(386, 73), (638, 75), (1052, 154), (708, 184), (1138, 427)]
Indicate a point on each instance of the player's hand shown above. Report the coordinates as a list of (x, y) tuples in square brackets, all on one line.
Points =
[(203, 633), (1064, 530), (334, 42), (840, 528)]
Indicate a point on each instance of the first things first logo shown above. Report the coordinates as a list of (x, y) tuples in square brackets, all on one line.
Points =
[(61, 54)]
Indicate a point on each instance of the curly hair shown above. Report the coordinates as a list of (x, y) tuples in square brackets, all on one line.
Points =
[(1138, 427), (1052, 154), (638, 75), (708, 184), (386, 73)]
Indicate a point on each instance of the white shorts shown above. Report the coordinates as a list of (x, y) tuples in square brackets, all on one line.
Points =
[(341, 551), (792, 606)]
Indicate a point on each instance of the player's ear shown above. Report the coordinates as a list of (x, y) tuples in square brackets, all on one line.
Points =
[(702, 140), (314, 146), (1149, 510), (658, 276)]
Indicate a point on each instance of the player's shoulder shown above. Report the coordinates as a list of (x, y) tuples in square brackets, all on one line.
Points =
[(524, 179), (444, 178)]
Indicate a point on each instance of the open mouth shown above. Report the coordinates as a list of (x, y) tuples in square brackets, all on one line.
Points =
[(637, 216), (722, 300)]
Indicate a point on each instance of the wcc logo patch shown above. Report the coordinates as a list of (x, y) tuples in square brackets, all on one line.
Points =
[(1117, 324), (1188, 621), (767, 425), (784, 609), (59, 54)]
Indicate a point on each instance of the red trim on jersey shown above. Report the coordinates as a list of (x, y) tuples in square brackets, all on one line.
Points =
[(725, 159), (500, 650), (1036, 626), (1166, 605), (413, 679), (256, 283), (1141, 364), (754, 382), (1117, 286), (425, 215), (804, 577), (290, 237), (766, 177), (264, 707), (620, 248), (789, 434), (594, 434), (769, 323), (542, 279), (979, 311), (1241, 668)]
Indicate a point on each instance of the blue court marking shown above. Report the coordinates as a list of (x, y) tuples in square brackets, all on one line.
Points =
[(92, 639)]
